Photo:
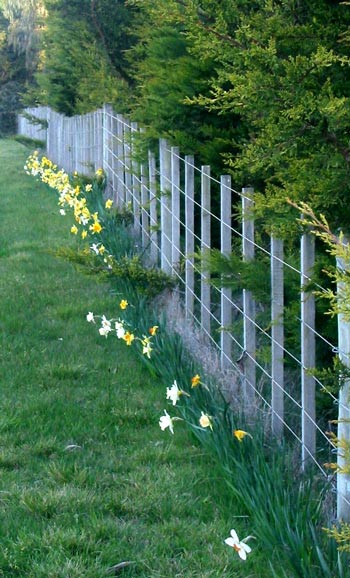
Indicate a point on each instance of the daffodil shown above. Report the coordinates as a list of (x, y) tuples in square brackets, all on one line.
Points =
[(195, 380), (74, 230), (96, 227), (123, 304), (205, 420), (94, 248), (240, 434), (109, 204), (90, 317), (120, 331), (88, 188), (146, 346), (129, 338), (153, 330), (173, 393), (166, 421), (239, 546), (62, 212), (84, 234)]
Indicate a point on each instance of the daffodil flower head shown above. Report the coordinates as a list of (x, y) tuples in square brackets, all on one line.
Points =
[(173, 393), (240, 434), (109, 204), (129, 338), (74, 230), (90, 317), (166, 421), (153, 330), (123, 304), (239, 546), (205, 421), (195, 380)]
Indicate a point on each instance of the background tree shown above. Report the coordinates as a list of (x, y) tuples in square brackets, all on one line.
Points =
[(83, 62)]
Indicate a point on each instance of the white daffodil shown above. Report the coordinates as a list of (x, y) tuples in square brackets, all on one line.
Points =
[(166, 421), (62, 212), (94, 248), (120, 331), (239, 546), (205, 421), (90, 317), (173, 393)]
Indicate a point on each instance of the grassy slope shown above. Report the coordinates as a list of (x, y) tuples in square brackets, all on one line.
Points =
[(128, 491)]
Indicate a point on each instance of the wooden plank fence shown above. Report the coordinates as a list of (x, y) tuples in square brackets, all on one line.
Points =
[(171, 201)]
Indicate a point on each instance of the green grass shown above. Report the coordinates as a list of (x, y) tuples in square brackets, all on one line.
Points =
[(87, 478)]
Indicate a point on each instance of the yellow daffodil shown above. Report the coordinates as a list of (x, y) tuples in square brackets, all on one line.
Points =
[(129, 338), (88, 188), (109, 204), (123, 304), (153, 330), (195, 380), (240, 434), (74, 230), (84, 234), (95, 227)]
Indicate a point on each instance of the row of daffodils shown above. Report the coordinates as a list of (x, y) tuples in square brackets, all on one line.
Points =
[(88, 225)]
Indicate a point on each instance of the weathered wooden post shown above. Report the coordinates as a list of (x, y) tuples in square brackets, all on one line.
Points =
[(175, 208), (277, 336), (308, 352), (153, 209), (225, 292), (165, 206), (343, 434), (249, 326), (205, 246), (135, 179), (189, 235)]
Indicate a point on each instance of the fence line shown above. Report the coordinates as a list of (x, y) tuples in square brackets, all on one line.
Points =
[(172, 202)]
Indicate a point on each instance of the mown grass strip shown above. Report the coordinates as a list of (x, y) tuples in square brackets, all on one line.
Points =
[(88, 480)]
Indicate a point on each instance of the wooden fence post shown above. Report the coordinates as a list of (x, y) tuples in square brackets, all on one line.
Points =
[(225, 292), (343, 480), (175, 208), (153, 208), (205, 246), (165, 206), (277, 336), (308, 352), (127, 162), (189, 235), (135, 179), (249, 327)]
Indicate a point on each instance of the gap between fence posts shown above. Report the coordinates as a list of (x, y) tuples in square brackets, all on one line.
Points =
[(226, 292), (343, 480), (249, 308), (277, 336), (308, 351)]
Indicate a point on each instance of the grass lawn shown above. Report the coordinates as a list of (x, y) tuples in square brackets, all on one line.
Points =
[(88, 479)]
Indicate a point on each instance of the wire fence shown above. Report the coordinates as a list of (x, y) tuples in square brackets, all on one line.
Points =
[(268, 333)]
